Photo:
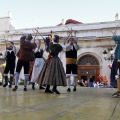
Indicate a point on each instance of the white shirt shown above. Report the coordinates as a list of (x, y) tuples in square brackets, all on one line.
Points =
[(69, 47)]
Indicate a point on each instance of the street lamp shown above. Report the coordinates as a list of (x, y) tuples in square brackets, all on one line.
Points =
[(1, 55), (111, 55), (111, 51), (105, 54)]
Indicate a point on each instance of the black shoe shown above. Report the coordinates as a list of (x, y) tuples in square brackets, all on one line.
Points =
[(74, 89), (25, 89), (56, 91), (116, 94), (5, 85), (69, 90), (41, 87), (10, 86), (33, 86), (48, 91), (15, 88)]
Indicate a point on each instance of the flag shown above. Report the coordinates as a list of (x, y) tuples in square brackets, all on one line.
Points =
[(51, 36)]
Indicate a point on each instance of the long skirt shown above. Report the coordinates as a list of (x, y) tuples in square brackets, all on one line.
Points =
[(52, 73), (38, 65)]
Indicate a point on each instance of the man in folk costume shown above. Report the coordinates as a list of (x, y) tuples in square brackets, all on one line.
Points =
[(25, 55), (117, 70), (71, 62), (10, 63), (53, 72)]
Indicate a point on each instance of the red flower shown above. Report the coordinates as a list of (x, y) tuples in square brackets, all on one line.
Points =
[(110, 65)]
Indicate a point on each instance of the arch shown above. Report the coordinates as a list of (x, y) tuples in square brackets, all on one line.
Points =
[(92, 55), (88, 64), (88, 60)]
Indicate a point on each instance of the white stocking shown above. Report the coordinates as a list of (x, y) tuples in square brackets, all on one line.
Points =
[(16, 78), (68, 82), (26, 80), (75, 80)]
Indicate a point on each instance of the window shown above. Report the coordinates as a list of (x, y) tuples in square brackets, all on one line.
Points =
[(88, 60)]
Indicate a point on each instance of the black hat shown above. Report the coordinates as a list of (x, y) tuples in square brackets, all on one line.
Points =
[(29, 37), (56, 37)]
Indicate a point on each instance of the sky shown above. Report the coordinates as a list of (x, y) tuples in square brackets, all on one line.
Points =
[(43, 13)]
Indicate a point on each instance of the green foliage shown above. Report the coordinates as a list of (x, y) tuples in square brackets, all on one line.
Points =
[(21, 83)]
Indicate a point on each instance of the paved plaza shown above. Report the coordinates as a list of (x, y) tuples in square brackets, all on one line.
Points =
[(85, 104)]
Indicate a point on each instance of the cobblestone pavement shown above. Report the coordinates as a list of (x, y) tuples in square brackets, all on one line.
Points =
[(84, 104)]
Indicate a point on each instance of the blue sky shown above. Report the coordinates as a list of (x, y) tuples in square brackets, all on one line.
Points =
[(41, 13)]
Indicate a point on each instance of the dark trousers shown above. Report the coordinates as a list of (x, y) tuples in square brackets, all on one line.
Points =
[(71, 68), (117, 70), (10, 67), (24, 64), (113, 81)]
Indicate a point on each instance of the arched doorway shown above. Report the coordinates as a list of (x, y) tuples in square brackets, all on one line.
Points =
[(88, 65)]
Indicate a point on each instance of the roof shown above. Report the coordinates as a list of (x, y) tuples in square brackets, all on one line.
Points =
[(72, 21)]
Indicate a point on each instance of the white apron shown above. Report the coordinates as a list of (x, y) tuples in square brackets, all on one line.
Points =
[(38, 65)]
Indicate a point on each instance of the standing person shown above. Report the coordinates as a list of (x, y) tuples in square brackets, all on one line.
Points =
[(38, 64), (71, 62), (91, 81), (117, 70), (14, 47), (113, 80), (53, 71), (25, 55), (10, 63)]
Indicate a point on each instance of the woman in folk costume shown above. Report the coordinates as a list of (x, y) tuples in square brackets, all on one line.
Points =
[(38, 64), (71, 49), (117, 70), (53, 71)]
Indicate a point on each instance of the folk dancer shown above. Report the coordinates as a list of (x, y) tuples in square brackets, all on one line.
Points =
[(10, 58), (38, 64), (25, 55), (53, 72), (117, 70), (71, 49)]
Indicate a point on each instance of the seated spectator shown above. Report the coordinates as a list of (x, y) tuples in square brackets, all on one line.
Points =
[(86, 83), (81, 83)]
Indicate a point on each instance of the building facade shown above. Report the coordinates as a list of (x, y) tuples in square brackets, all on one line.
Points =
[(93, 38)]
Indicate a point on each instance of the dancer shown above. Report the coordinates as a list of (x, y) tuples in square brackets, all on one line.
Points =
[(53, 71), (25, 55), (113, 80), (117, 70), (38, 64), (10, 63), (71, 49)]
